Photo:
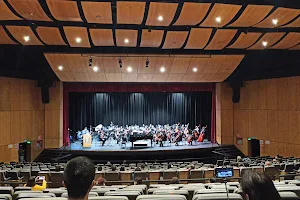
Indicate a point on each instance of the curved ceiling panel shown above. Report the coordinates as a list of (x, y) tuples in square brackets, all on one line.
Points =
[(192, 13), (130, 12), (252, 15), (245, 40), (282, 15), (24, 35), (97, 12), (6, 13), (102, 37), (151, 39), (64, 10), (126, 38), (221, 39), (175, 39), (164, 10), (268, 39), (77, 36), (196, 42), (30, 10), (50, 35), (224, 12), (4, 38), (290, 40)]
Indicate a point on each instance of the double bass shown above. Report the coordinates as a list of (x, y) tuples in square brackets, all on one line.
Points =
[(201, 136)]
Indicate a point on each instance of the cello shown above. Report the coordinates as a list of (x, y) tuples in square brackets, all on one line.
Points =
[(201, 136)]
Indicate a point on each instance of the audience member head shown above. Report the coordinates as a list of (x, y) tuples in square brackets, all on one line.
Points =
[(192, 167), (169, 165), (138, 181), (79, 177), (137, 169), (239, 159), (246, 164), (113, 168), (57, 168), (258, 186), (122, 168), (174, 180), (101, 181), (31, 181), (212, 180), (108, 163), (268, 163), (99, 168), (143, 166)]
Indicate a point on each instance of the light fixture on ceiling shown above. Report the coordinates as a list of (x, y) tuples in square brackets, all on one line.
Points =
[(275, 21), (120, 63), (147, 62), (95, 68), (60, 68), (195, 69), (126, 41), (129, 69), (160, 18), (264, 43), (26, 38), (162, 69), (90, 62), (78, 39), (218, 19)]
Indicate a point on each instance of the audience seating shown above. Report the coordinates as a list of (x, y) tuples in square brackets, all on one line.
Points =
[(217, 196)]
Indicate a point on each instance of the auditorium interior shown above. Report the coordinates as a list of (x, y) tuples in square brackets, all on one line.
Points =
[(151, 89)]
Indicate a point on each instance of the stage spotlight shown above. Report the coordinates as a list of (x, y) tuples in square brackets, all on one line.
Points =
[(120, 63), (91, 62), (147, 62)]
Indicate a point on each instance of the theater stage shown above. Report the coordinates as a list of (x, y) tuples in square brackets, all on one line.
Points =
[(113, 146)]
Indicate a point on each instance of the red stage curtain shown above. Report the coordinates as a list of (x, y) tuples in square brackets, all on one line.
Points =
[(134, 87)]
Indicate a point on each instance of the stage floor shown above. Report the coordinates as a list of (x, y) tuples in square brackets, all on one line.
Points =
[(113, 146)]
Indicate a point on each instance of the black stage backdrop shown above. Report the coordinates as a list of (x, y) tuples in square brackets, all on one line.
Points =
[(122, 108)]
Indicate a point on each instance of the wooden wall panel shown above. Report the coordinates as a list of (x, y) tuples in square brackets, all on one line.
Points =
[(269, 110)]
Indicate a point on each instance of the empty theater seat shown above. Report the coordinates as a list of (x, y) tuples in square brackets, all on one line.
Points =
[(161, 197), (217, 196), (34, 195), (288, 196)]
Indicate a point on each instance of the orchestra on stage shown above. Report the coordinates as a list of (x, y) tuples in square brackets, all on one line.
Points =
[(158, 134)]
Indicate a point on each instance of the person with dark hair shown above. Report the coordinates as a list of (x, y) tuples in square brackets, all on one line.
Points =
[(113, 168), (32, 183), (99, 168), (137, 169), (143, 166), (138, 181), (212, 180), (79, 177), (258, 186), (174, 180), (122, 168), (101, 181)]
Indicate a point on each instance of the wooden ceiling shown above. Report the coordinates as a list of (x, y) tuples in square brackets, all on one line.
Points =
[(209, 28), (179, 68)]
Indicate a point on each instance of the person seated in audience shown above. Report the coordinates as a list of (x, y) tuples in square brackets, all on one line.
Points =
[(170, 166), (78, 177), (99, 168), (101, 181), (258, 186), (192, 167), (57, 168), (239, 159), (137, 169), (174, 180), (268, 163), (143, 166), (32, 183), (122, 168), (138, 181), (113, 168)]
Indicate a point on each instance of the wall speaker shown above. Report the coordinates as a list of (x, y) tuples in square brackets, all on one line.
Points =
[(45, 94)]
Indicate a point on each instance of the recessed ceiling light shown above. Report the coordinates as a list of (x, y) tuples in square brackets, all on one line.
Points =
[(275, 21), (160, 18), (26, 38), (195, 69), (264, 43), (78, 39), (218, 19), (126, 41), (129, 69), (95, 68), (60, 68), (162, 69)]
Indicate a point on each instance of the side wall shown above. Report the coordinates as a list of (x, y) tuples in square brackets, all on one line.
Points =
[(269, 110), (21, 116)]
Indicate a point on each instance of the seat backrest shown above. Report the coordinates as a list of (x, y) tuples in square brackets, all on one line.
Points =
[(132, 195), (169, 174), (112, 176), (6, 190), (142, 174), (161, 197), (91, 194), (172, 192), (5, 197), (56, 179), (57, 192), (209, 191), (22, 188), (289, 167), (196, 173), (34, 195), (108, 198), (217, 196), (288, 196)]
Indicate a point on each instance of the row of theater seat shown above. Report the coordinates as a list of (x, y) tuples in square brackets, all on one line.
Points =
[(212, 191)]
